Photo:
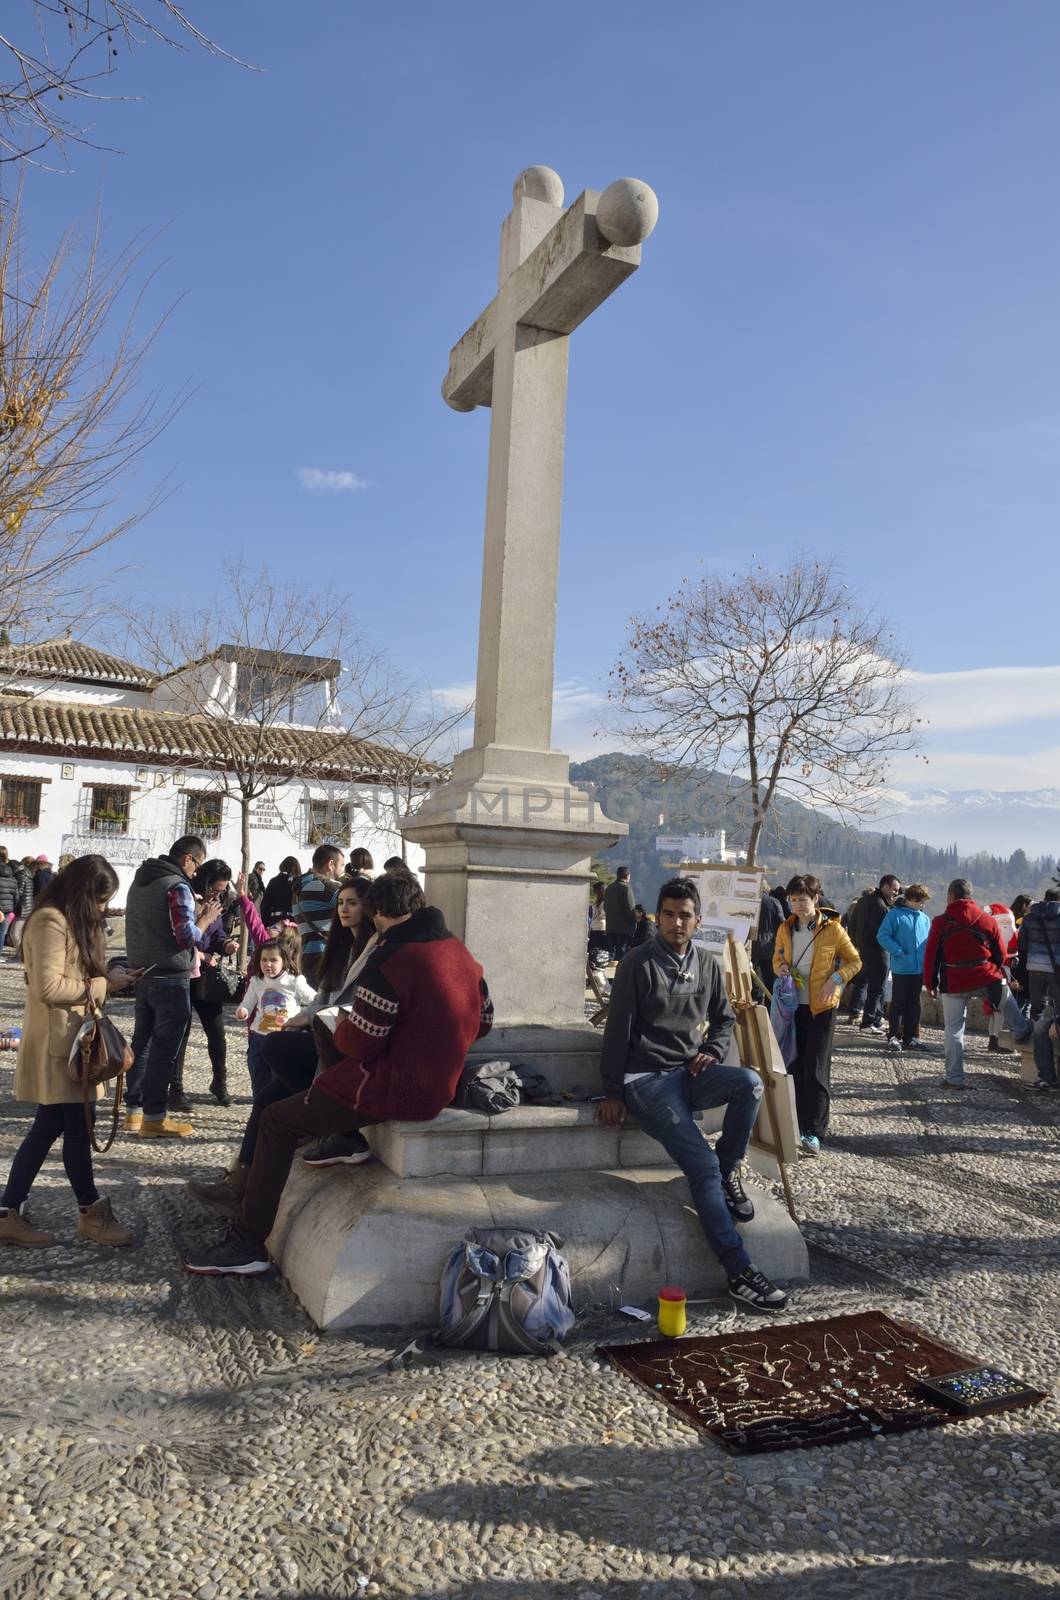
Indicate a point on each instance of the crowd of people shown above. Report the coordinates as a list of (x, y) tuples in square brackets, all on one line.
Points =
[(360, 1006)]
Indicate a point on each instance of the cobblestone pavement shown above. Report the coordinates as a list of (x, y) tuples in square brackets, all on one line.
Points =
[(168, 1436)]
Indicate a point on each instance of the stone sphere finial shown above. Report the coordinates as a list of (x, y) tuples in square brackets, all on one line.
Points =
[(539, 183), (627, 211)]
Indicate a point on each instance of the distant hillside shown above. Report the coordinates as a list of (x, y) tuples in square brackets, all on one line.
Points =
[(796, 838)]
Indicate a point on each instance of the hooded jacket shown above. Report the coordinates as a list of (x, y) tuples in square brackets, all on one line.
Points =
[(863, 924), (904, 935), (420, 1004), (1039, 937), (833, 957), (964, 950)]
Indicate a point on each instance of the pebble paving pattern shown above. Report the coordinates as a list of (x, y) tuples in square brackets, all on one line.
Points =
[(164, 1437)]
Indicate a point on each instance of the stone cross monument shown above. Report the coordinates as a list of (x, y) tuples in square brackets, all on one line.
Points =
[(508, 840)]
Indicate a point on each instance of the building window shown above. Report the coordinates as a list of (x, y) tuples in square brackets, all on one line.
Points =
[(20, 802), (109, 809), (203, 815), (264, 695), (328, 822)]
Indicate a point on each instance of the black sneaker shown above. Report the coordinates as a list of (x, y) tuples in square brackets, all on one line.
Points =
[(177, 1100), (998, 1049), (752, 1288), (1042, 1087), (736, 1197), (235, 1254), (338, 1149)]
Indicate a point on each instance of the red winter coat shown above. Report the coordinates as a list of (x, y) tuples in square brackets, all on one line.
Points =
[(958, 959), (420, 1004)]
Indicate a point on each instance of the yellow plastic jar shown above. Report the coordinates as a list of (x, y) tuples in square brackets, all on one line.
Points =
[(672, 1304)]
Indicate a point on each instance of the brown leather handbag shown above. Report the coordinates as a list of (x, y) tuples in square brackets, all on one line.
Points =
[(99, 1052)]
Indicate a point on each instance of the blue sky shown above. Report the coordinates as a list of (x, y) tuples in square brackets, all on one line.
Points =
[(845, 336)]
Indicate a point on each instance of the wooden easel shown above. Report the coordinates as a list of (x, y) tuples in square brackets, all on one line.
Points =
[(758, 1049)]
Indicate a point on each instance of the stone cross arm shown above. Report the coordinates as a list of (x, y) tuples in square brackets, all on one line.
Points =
[(562, 281)]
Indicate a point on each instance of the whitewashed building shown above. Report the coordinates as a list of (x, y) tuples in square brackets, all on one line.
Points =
[(99, 756)]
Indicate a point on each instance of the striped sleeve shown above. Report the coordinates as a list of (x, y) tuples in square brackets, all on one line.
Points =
[(362, 1034), (486, 1011)]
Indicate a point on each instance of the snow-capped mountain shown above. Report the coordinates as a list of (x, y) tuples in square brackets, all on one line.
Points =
[(998, 820)]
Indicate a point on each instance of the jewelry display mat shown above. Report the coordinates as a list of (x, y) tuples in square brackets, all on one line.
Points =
[(799, 1384)]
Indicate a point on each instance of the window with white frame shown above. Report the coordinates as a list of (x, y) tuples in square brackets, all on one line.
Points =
[(108, 808), (327, 822), (204, 814), (20, 802)]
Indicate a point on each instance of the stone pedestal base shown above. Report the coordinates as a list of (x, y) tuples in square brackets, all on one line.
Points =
[(508, 843), (362, 1248)]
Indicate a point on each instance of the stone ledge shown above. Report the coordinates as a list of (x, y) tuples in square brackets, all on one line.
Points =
[(472, 1144), (364, 1248)]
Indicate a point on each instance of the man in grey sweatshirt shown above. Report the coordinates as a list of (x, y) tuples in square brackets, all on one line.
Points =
[(669, 1027)]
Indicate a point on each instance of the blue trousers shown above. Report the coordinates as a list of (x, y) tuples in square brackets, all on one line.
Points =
[(663, 1105), (162, 1020)]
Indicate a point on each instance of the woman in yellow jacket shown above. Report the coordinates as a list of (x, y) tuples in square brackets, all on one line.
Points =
[(63, 948), (813, 948)]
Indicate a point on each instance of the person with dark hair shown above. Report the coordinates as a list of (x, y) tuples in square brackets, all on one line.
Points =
[(315, 906), (618, 910), (964, 957), (278, 900), (64, 949), (12, 895), (396, 864), (420, 1003), (645, 929), (771, 914), (165, 928), (668, 1031), (256, 882), (286, 1062), (813, 948), (43, 874), (863, 925), (360, 863), (1038, 951), (210, 882), (903, 934)]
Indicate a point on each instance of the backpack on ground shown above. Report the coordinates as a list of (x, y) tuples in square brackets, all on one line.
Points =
[(506, 1289), (488, 1086)]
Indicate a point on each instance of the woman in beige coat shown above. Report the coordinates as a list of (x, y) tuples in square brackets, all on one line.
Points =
[(64, 951)]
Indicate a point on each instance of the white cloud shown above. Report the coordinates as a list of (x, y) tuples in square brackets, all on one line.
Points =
[(985, 697), (320, 481), (977, 769)]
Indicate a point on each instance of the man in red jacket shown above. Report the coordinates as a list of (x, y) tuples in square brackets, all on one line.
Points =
[(419, 1006), (965, 956)]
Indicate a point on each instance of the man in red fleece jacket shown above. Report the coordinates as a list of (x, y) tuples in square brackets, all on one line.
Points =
[(419, 1005), (964, 956)]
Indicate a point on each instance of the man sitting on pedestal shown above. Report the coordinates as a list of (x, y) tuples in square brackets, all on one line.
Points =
[(669, 1025), (420, 1004)]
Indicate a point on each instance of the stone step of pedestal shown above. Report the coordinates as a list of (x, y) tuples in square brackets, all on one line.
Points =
[(469, 1144), (363, 1248)]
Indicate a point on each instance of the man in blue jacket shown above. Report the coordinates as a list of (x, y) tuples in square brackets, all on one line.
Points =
[(903, 934)]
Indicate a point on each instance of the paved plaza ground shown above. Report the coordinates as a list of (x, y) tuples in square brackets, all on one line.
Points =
[(168, 1436)]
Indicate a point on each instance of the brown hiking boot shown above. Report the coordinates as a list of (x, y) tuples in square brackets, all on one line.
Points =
[(99, 1225), (225, 1196), (166, 1128), (134, 1120), (15, 1229)]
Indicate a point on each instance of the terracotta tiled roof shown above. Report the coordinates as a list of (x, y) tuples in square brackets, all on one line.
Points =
[(66, 658), (164, 738)]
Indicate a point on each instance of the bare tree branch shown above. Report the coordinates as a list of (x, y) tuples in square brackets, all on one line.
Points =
[(65, 59), (775, 679), (71, 420)]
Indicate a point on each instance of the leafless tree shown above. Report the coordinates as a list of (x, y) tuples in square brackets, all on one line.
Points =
[(309, 698), (73, 418), (779, 680), (63, 58)]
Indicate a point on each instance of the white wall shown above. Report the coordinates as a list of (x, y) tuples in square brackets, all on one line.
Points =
[(158, 814)]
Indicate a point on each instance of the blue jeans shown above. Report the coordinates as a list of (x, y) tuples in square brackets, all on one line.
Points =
[(259, 1070), (663, 1105), (1044, 1054), (162, 1020)]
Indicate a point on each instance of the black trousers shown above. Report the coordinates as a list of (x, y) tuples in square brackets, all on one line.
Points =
[(812, 1069), (283, 1127), (292, 1062), (211, 1014), (866, 994), (51, 1123), (905, 1006)]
